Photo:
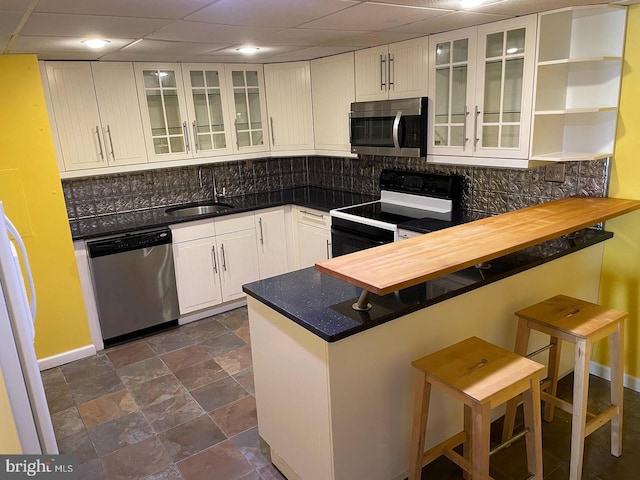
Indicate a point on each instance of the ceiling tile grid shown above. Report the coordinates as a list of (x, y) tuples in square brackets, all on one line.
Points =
[(212, 30)]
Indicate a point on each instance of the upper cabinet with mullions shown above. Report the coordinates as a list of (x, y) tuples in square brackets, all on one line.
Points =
[(201, 110), (481, 84), (398, 70)]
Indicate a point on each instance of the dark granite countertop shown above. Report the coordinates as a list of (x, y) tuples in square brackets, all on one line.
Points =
[(312, 197), (322, 304)]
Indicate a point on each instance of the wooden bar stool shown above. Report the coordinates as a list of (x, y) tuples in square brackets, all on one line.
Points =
[(482, 376), (581, 323)]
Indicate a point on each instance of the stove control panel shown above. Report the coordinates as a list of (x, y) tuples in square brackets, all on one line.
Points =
[(417, 183)]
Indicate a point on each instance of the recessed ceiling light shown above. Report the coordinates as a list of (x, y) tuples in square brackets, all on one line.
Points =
[(471, 3), (247, 50), (96, 43)]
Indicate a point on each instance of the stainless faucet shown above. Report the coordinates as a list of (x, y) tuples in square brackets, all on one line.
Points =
[(216, 195)]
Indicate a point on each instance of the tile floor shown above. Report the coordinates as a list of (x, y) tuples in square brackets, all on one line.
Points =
[(180, 405), (176, 405)]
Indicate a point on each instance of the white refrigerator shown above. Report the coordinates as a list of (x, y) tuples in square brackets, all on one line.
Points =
[(17, 355)]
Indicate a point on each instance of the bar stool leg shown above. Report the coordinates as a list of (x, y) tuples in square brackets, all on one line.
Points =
[(420, 416), (481, 425), (467, 451), (522, 344), (532, 421), (616, 347), (580, 396), (552, 373)]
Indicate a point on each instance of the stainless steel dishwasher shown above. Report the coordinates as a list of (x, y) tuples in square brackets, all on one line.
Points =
[(134, 283)]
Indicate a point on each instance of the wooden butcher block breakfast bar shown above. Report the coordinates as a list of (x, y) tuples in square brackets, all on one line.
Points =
[(334, 383)]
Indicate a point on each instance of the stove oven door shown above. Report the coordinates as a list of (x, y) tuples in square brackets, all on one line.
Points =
[(348, 236)]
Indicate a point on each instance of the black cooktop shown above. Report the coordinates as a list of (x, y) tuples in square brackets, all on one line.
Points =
[(393, 213)]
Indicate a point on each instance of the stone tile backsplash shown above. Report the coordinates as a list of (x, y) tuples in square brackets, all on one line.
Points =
[(485, 190)]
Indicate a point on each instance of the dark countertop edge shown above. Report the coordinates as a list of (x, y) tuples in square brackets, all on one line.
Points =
[(405, 311), (167, 220)]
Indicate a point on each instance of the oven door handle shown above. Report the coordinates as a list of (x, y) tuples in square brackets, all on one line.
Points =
[(396, 128)]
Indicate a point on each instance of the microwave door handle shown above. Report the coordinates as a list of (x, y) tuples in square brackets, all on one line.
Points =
[(396, 128)]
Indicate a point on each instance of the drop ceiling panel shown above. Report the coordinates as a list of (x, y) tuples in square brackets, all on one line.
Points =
[(451, 21), (55, 24), (231, 55), (522, 7), (3, 41), (372, 16), (14, 5), (183, 31), (171, 9), (9, 22), (378, 38), (63, 48), (274, 13), (313, 52), (309, 37), (161, 51)]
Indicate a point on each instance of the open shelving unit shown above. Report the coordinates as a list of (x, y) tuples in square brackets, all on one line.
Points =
[(578, 77)]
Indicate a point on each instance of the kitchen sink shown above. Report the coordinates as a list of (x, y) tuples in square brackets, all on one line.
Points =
[(200, 208)]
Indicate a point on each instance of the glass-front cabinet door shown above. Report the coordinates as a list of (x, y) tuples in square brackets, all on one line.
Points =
[(451, 90), (164, 116), (506, 56), (206, 93), (247, 106)]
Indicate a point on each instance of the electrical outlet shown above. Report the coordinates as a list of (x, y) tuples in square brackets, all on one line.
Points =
[(554, 173)]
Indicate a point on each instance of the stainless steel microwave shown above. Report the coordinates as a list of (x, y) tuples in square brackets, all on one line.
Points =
[(389, 127)]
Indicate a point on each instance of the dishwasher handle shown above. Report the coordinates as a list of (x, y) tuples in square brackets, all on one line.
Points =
[(128, 242)]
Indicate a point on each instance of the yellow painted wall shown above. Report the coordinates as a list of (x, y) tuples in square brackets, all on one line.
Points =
[(620, 282), (31, 192)]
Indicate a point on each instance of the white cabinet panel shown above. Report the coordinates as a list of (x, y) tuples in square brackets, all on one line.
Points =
[(119, 113), (399, 70), (288, 89), (315, 244), (480, 90), (238, 259), (272, 242), (333, 91), (197, 277), (95, 107), (247, 107)]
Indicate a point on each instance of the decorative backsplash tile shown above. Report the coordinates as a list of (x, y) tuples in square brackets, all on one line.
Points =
[(485, 190)]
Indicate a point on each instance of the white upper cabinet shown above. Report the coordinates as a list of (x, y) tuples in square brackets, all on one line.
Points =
[(481, 85), (288, 87), (398, 70), (164, 112), (578, 83), (247, 107), (333, 90), (95, 107), (207, 109)]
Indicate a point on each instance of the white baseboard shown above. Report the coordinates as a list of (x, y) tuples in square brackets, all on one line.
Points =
[(225, 307), (66, 357), (605, 372)]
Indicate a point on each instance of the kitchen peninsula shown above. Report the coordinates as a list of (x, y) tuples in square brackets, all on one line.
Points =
[(334, 387)]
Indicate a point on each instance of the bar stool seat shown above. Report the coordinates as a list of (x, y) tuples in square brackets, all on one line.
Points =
[(482, 376), (582, 323)]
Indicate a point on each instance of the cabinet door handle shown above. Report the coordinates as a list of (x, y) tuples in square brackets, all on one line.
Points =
[(235, 125), (213, 255), (113, 153), (261, 234), (392, 69), (196, 145), (99, 142), (186, 136), (464, 129), (328, 250), (224, 259), (383, 67), (273, 138), (475, 129), (318, 215)]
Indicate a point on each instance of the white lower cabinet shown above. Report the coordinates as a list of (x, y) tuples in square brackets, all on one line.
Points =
[(213, 259), (314, 236), (273, 246)]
